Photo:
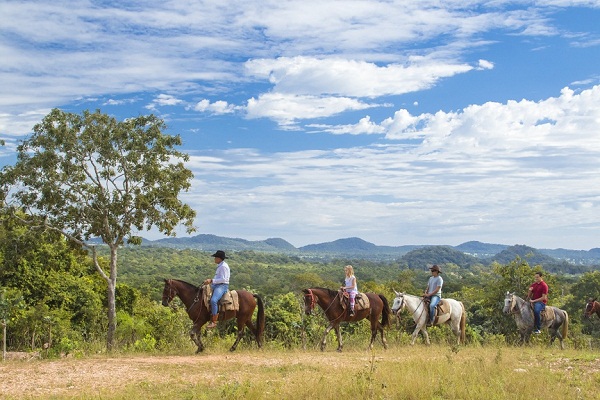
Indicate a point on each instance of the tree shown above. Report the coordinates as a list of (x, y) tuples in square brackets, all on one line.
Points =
[(90, 176)]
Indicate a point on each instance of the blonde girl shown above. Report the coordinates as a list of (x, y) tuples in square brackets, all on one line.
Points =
[(350, 286)]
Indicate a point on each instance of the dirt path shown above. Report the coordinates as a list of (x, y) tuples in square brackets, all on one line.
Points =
[(64, 377)]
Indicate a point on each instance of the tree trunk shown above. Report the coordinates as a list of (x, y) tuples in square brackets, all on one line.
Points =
[(111, 296)]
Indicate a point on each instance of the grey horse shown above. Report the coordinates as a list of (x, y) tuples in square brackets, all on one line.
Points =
[(522, 311)]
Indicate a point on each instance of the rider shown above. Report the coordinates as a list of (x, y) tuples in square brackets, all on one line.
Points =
[(219, 285), (538, 296), (350, 286), (433, 291)]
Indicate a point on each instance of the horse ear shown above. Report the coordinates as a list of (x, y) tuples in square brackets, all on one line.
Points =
[(397, 293)]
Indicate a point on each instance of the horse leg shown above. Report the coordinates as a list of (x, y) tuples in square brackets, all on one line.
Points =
[(195, 336), (555, 333), (380, 329), (238, 338), (324, 340), (339, 338), (254, 331), (425, 335), (456, 329), (414, 335)]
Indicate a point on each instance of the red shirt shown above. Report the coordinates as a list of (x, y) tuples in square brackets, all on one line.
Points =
[(538, 289)]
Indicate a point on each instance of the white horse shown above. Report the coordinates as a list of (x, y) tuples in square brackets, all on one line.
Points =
[(456, 316)]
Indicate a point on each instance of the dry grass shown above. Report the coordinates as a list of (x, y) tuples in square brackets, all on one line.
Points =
[(419, 372)]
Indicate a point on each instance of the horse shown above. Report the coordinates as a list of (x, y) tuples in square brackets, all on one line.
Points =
[(591, 307), (329, 301), (199, 312), (522, 311), (456, 317)]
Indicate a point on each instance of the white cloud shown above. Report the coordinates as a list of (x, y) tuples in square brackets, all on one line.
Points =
[(514, 170), (286, 108), (334, 76), (218, 107)]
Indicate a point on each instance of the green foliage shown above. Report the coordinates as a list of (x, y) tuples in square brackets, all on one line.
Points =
[(283, 320)]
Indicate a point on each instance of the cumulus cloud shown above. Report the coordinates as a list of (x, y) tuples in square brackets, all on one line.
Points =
[(218, 107), (287, 108), (343, 77)]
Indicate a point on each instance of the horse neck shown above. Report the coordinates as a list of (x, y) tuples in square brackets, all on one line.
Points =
[(595, 308), (186, 292), (412, 302), (324, 299), (522, 308)]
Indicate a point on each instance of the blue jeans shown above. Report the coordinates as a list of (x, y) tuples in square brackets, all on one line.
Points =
[(537, 310), (219, 290), (434, 300)]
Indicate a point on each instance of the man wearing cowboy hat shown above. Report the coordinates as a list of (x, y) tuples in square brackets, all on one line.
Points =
[(434, 291), (219, 285)]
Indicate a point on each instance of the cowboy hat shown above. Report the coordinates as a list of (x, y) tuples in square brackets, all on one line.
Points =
[(219, 254)]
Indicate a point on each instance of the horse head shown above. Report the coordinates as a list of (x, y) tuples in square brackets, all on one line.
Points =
[(398, 303), (589, 308), (310, 299), (509, 303), (169, 292)]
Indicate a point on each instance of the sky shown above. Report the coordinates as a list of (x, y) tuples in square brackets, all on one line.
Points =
[(409, 122)]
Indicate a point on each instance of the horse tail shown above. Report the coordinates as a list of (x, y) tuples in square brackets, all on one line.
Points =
[(565, 326), (385, 315), (260, 320), (463, 323)]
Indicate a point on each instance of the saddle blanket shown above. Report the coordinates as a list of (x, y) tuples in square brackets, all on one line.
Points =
[(228, 302), (547, 313), (361, 301)]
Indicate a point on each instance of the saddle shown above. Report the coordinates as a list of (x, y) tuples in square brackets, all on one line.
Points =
[(361, 301), (229, 301), (547, 314), (442, 308)]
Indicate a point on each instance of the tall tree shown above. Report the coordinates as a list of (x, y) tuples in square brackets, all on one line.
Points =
[(90, 176)]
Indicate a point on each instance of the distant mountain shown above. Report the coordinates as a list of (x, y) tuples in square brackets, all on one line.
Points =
[(481, 250), (213, 242), (529, 254), (426, 256), (356, 247), (465, 254)]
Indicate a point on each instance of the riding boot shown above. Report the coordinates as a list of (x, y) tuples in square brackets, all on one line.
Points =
[(213, 321), (352, 312)]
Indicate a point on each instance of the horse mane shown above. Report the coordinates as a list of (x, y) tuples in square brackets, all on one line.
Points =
[(331, 292), (186, 283)]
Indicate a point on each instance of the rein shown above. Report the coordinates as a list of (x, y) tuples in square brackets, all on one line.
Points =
[(312, 297)]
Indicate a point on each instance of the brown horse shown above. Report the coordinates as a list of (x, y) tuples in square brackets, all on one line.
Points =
[(329, 301), (591, 307), (199, 313)]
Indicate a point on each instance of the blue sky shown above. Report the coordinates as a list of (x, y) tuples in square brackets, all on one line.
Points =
[(399, 122)]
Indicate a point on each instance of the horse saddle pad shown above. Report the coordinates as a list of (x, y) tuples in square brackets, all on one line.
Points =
[(443, 307), (228, 302), (361, 301), (547, 314)]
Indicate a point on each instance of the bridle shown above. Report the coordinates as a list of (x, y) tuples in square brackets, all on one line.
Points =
[(310, 296), (590, 308), (172, 292)]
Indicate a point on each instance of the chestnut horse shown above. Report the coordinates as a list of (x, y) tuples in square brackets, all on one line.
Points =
[(199, 313), (591, 307), (329, 301)]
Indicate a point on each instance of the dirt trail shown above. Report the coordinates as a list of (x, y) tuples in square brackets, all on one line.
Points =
[(41, 378)]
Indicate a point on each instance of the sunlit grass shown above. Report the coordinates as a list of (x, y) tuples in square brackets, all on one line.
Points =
[(403, 372)]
